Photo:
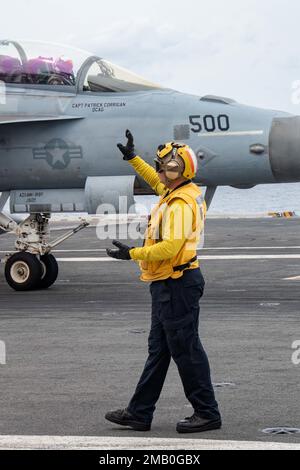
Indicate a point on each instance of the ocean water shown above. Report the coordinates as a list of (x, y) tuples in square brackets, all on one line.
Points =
[(259, 200), (240, 202)]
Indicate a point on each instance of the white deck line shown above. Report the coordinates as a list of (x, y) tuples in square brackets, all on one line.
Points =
[(227, 248), (130, 443), (294, 278), (201, 258)]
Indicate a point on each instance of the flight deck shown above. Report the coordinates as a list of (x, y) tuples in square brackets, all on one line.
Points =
[(76, 350)]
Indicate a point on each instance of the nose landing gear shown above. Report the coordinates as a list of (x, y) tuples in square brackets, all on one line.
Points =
[(33, 266)]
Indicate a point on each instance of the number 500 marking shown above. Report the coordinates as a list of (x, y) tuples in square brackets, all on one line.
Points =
[(209, 123)]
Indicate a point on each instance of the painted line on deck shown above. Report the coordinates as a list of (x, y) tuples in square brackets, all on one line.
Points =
[(86, 260), (227, 248), (239, 257), (129, 443), (294, 278), (201, 258), (252, 248)]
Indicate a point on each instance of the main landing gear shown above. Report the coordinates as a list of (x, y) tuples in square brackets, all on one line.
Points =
[(32, 266)]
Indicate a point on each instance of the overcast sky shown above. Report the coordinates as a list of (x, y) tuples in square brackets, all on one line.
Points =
[(248, 50)]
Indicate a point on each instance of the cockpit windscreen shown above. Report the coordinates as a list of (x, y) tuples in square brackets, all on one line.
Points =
[(29, 63), (36, 63)]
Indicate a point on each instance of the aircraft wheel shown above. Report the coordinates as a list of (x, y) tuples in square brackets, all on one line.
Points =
[(49, 271), (23, 271)]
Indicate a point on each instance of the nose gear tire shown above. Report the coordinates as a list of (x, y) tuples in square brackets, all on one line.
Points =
[(23, 271), (49, 271)]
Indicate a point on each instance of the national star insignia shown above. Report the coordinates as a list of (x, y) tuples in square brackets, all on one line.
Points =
[(57, 153)]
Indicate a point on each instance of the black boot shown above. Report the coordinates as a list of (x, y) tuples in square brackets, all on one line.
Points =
[(197, 424), (124, 418)]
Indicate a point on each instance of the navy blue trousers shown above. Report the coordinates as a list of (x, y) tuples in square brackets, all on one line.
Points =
[(174, 333)]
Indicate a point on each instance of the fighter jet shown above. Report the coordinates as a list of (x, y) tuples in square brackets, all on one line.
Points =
[(62, 111)]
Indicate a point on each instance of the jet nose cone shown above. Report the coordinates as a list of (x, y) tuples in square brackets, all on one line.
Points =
[(284, 144)]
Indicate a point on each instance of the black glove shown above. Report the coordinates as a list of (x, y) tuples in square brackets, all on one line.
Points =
[(121, 253), (128, 150)]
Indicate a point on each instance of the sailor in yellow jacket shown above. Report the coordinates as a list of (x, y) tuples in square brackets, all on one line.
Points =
[(168, 259)]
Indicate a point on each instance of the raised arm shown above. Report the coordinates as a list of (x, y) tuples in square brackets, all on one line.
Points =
[(145, 170)]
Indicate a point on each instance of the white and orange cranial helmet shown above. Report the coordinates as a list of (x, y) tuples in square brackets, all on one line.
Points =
[(176, 160)]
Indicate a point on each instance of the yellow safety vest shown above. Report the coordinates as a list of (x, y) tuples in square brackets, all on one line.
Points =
[(159, 270)]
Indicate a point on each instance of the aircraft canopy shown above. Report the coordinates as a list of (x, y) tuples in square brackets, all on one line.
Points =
[(29, 63)]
